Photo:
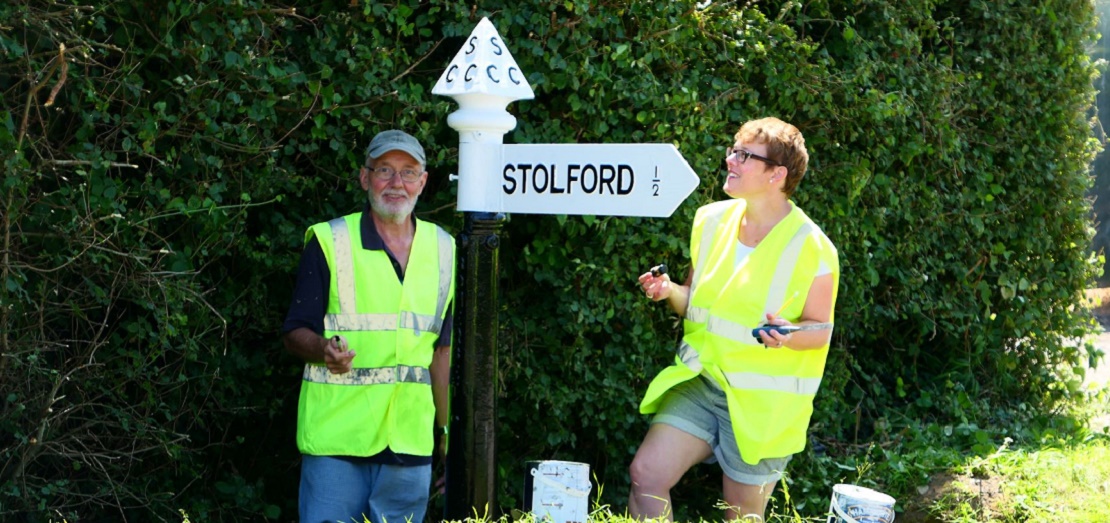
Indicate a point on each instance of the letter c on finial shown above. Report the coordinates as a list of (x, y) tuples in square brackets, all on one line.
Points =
[(467, 76), (490, 75), (450, 71), (511, 79)]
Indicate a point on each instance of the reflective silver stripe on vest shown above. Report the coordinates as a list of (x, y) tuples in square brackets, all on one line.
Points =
[(731, 330), (689, 357), (360, 322), (705, 245), (751, 380), (419, 322), (697, 314), (720, 326), (776, 295), (787, 384), (344, 272), (446, 268), (375, 376)]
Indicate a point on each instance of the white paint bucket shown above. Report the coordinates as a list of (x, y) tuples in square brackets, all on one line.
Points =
[(856, 504), (558, 491)]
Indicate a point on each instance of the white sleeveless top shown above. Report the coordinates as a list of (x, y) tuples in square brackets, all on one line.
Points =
[(742, 252)]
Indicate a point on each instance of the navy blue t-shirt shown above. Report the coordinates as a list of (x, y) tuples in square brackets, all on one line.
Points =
[(310, 304)]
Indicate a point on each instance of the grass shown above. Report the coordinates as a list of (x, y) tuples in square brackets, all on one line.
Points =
[(1062, 475), (1063, 481), (1057, 484), (1065, 477)]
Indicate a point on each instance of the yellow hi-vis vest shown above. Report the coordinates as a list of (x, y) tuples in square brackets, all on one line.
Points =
[(386, 399), (770, 391)]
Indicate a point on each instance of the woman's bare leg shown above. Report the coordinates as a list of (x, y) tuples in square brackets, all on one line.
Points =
[(664, 456)]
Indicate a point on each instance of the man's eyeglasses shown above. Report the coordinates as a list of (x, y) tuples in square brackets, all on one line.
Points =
[(386, 173), (743, 155)]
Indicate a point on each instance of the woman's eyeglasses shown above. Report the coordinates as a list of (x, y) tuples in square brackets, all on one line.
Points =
[(743, 155)]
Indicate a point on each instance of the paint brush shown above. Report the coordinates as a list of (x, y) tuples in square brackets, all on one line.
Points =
[(788, 301)]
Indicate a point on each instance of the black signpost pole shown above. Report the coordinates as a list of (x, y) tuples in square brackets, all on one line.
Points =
[(471, 462), (602, 179)]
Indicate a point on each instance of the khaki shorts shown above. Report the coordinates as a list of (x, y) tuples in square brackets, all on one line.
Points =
[(700, 409)]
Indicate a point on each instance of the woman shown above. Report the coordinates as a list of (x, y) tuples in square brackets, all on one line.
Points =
[(734, 396)]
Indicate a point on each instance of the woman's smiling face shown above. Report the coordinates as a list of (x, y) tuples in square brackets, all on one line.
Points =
[(749, 169)]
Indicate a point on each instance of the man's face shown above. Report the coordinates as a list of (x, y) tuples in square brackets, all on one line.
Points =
[(389, 182)]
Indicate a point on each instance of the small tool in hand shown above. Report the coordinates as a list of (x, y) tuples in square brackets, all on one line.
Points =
[(787, 329), (659, 270)]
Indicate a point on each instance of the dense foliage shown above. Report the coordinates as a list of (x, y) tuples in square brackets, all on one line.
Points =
[(162, 160), (1101, 165)]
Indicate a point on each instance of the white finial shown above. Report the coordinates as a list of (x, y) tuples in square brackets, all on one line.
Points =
[(483, 79), (484, 66)]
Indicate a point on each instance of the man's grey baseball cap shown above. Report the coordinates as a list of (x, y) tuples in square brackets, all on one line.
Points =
[(395, 140)]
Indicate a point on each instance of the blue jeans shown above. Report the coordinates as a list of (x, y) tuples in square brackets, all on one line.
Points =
[(350, 489)]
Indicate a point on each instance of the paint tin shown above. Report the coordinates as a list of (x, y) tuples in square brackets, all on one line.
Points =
[(856, 504), (557, 491)]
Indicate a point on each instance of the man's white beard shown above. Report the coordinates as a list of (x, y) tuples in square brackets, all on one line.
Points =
[(392, 213)]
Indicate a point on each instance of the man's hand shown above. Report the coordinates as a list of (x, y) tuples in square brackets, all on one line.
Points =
[(441, 445), (439, 462), (336, 356)]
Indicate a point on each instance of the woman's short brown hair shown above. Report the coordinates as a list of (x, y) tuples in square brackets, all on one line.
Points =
[(785, 145)]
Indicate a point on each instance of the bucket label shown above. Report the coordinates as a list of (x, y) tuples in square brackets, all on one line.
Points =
[(560, 491), (854, 504), (864, 514)]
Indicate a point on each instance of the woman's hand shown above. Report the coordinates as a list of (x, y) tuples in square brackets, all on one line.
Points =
[(773, 338), (656, 288)]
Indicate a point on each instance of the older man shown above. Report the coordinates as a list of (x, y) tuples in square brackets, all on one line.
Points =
[(371, 317)]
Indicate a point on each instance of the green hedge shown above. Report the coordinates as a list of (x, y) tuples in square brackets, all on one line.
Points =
[(153, 213)]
